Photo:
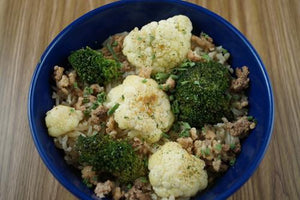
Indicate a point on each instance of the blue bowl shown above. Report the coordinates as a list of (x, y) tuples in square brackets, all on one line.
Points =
[(94, 27)]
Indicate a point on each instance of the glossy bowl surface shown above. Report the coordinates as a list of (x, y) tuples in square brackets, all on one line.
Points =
[(94, 27)]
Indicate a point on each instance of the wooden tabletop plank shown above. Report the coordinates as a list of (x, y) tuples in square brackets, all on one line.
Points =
[(28, 26)]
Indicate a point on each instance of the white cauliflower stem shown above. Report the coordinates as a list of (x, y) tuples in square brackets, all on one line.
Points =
[(160, 45), (62, 119), (175, 172), (143, 109)]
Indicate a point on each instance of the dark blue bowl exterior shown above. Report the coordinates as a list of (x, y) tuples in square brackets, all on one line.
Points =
[(92, 28)]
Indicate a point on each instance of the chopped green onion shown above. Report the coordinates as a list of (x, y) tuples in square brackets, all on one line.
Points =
[(186, 64), (204, 35), (224, 51), (186, 125), (153, 56), (113, 109), (110, 49), (236, 97), (101, 97), (185, 129), (115, 43), (171, 97), (206, 57), (166, 88), (184, 82), (232, 162), (95, 178), (202, 152), (143, 180), (122, 97), (161, 77), (232, 146), (151, 38), (184, 133), (218, 147), (87, 183), (180, 69), (146, 161), (87, 112), (95, 105), (144, 81), (196, 83), (75, 85), (207, 151), (85, 100), (87, 91), (165, 135), (250, 118), (174, 77), (175, 107)]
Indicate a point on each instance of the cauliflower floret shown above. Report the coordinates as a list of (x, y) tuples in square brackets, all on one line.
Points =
[(175, 172), (143, 109), (160, 45), (62, 119)]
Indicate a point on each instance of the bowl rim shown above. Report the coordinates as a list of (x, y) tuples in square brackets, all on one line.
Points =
[(65, 182)]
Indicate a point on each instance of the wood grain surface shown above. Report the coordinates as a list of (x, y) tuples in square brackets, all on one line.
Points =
[(28, 26)]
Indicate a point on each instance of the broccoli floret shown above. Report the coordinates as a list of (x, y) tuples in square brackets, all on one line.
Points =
[(116, 157), (92, 67), (201, 94)]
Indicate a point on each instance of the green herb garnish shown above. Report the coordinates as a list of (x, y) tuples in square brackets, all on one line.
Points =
[(174, 77), (165, 135), (206, 57), (101, 97), (113, 53), (85, 100), (232, 146), (250, 118), (232, 162), (153, 56), (75, 85), (87, 183), (113, 109), (224, 51), (207, 151), (115, 43), (144, 81), (218, 147), (87, 112), (95, 105), (87, 91), (143, 180), (184, 82)]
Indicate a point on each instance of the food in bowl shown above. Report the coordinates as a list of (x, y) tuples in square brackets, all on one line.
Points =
[(155, 113)]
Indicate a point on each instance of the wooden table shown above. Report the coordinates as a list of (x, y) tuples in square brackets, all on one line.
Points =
[(28, 26)]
